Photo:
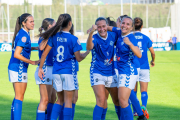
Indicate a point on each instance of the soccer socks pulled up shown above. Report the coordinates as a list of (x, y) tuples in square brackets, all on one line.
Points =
[(67, 113), (103, 117), (40, 115), (17, 109), (56, 111), (61, 116), (73, 110), (144, 98), (49, 110), (97, 113), (12, 107), (126, 113), (118, 111), (135, 103)]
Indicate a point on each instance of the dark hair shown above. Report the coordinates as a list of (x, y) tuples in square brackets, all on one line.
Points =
[(20, 19), (121, 17), (111, 22), (101, 18), (72, 30), (138, 22), (61, 23), (45, 24)]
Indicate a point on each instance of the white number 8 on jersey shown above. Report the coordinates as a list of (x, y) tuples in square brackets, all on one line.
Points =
[(60, 51)]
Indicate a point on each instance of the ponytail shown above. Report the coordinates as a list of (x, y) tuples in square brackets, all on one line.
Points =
[(61, 23), (17, 28)]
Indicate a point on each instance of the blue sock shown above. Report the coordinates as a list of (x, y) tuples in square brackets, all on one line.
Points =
[(67, 113), (40, 115), (12, 107), (56, 111), (135, 93), (97, 113), (135, 103), (118, 111), (127, 113), (144, 98), (61, 116), (17, 109), (49, 110), (73, 110), (103, 117)]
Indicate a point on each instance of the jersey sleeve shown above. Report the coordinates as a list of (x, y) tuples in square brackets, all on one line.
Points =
[(117, 31), (149, 43), (76, 45), (22, 41), (50, 42)]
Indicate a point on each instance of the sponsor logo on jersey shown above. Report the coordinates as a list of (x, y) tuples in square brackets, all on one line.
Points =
[(60, 39), (23, 39)]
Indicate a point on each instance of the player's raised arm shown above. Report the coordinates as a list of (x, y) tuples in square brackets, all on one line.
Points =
[(90, 44)]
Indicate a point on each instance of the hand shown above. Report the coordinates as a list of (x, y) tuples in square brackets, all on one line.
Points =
[(92, 29), (41, 73), (35, 62), (152, 63), (127, 41)]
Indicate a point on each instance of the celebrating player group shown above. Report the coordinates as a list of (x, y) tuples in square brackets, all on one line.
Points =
[(119, 62)]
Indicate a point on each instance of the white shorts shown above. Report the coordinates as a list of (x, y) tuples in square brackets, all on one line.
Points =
[(48, 75), (127, 81), (138, 69), (144, 75), (65, 82), (108, 81), (17, 77)]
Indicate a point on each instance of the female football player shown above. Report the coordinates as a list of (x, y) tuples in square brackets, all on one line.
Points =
[(144, 43), (20, 59), (66, 48), (102, 73), (45, 85)]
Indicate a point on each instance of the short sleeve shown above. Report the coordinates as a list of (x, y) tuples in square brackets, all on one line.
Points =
[(76, 45), (117, 31), (22, 41), (149, 43), (50, 42)]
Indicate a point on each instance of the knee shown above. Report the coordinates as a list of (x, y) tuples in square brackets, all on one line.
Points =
[(116, 102), (100, 101), (52, 99), (123, 102), (75, 99), (44, 101)]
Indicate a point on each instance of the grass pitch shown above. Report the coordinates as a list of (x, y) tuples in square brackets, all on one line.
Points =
[(163, 91)]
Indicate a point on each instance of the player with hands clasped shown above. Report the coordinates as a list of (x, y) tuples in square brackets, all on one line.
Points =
[(66, 48), (102, 72), (20, 59)]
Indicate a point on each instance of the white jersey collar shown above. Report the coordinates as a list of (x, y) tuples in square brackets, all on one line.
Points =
[(102, 37), (65, 32)]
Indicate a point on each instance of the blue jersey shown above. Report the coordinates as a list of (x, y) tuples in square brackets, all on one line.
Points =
[(144, 43), (103, 54), (22, 39), (64, 46), (125, 56), (49, 58)]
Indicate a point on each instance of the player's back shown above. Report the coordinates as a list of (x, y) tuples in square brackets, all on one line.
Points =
[(64, 46), (143, 43)]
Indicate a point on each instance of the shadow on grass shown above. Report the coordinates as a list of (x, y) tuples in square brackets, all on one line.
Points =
[(85, 112)]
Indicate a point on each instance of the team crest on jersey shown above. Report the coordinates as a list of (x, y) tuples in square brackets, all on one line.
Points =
[(78, 42), (23, 39), (111, 43), (122, 43)]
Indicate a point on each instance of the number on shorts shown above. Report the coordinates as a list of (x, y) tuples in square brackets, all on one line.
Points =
[(60, 56)]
